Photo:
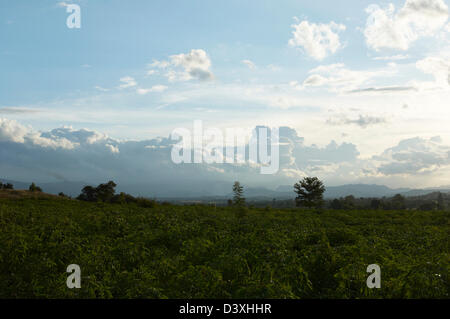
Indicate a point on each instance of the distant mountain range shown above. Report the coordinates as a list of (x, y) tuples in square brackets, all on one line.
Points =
[(366, 190), (220, 190)]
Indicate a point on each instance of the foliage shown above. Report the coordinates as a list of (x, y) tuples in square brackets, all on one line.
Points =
[(238, 191), (309, 192), (34, 188), (103, 192), (106, 193), (6, 186), (196, 251)]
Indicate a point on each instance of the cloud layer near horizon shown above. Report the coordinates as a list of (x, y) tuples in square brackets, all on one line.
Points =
[(68, 154)]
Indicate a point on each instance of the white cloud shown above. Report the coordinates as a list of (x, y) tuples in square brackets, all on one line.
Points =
[(81, 154), (439, 67), (388, 28), (17, 110), (315, 80), (127, 81), (338, 78), (155, 88), (12, 131), (113, 149), (362, 121), (249, 64), (392, 58), (414, 156), (159, 64), (187, 66), (62, 4), (317, 40), (101, 88)]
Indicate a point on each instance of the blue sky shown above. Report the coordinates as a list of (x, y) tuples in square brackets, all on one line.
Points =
[(368, 73), (42, 59)]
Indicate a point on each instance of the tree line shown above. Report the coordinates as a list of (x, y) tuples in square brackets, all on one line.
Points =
[(106, 193), (309, 193)]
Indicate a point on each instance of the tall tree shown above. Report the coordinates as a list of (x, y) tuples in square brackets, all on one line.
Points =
[(34, 188), (238, 191), (398, 202), (105, 192), (88, 193), (309, 192)]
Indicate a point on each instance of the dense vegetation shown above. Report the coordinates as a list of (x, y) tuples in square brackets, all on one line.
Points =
[(166, 251)]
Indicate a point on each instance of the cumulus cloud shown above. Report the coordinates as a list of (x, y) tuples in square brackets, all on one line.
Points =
[(414, 156), (187, 66), (12, 131), (317, 40), (81, 154), (145, 167), (439, 67), (112, 148), (389, 28)]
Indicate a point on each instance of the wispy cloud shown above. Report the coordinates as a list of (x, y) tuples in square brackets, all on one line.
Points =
[(249, 64), (362, 120), (155, 88), (17, 110), (387, 89), (127, 82)]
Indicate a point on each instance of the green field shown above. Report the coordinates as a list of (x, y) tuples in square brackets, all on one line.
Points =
[(126, 251)]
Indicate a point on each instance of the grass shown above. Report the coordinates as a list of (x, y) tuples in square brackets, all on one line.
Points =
[(126, 251)]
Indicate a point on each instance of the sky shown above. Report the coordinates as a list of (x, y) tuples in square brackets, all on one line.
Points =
[(362, 88)]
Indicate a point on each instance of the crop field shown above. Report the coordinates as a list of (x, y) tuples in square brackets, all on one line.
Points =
[(168, 251)]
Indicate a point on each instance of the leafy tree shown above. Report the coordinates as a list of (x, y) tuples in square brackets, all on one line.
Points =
[(34, 188), (105, 192), (375, 204), (336, 204), (238, 191), (398, 202), (8, 186), (427, 206), (309, 192), (349, 202), (89, 194)]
